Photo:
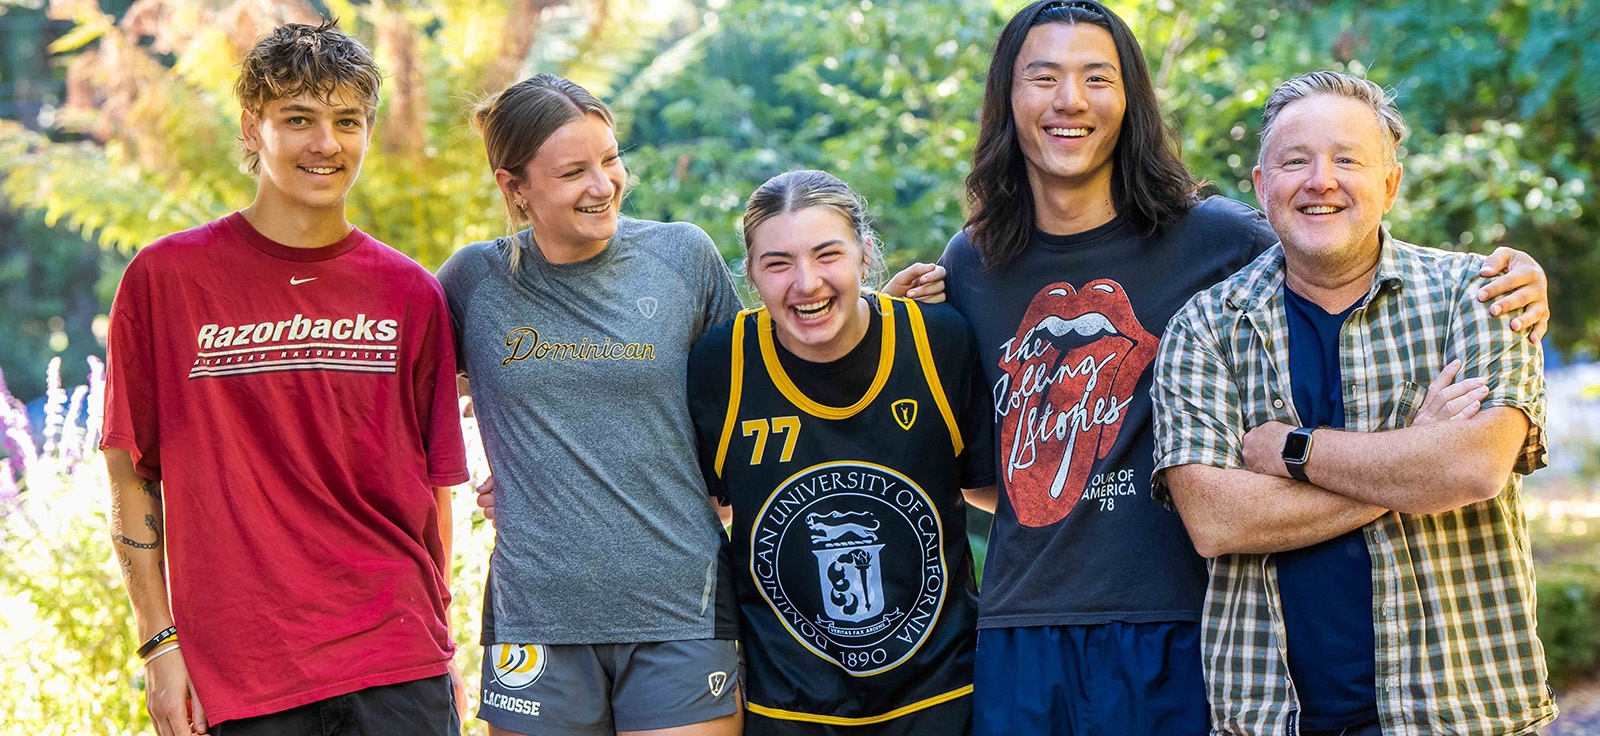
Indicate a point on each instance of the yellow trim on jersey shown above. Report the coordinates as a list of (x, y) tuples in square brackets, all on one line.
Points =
[(919, 334), (735, 388), (789, 715), (780, 378)]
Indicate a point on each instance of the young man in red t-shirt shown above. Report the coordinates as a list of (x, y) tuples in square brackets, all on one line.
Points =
[(281, 429)]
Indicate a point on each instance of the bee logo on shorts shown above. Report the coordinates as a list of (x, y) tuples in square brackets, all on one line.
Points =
[(717, 681), (905, 412), (517, 666)]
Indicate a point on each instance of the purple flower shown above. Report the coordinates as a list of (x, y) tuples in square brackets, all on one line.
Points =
[(9, 491), (18, 432)]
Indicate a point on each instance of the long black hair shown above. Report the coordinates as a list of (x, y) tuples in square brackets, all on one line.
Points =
[(1149, 185)]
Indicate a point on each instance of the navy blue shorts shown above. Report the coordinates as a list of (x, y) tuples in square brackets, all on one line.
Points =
[(1110, 679)]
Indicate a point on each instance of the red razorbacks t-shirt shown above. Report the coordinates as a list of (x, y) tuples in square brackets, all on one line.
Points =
[(298, 406)]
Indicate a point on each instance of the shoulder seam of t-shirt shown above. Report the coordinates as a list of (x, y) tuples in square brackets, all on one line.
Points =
[(461, 296), (1235, 212), (495, 266), (136, 323), (145, 316), (488, 259), (1234, 222), (695, 282)]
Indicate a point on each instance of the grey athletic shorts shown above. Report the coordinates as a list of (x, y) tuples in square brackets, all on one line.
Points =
[(585, 689)]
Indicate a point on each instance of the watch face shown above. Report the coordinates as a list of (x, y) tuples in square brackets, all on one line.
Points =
[(1296, 447)]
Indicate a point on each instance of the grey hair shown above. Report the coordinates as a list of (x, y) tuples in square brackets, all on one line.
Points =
[(806, 188), (1342, 85)]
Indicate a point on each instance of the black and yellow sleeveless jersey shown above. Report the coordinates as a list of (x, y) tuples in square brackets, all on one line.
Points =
[(855, 580)]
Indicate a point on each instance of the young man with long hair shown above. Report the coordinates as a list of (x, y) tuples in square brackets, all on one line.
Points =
[(1087, 234), (281, 430)]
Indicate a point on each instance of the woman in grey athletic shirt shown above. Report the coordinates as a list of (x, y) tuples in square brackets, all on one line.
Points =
[(600, 610)]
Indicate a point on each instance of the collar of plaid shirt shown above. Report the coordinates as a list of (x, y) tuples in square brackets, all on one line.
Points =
[(1453, 593), (1267, 276)]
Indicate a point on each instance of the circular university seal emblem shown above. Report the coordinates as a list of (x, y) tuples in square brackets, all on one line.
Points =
[(850, 556)]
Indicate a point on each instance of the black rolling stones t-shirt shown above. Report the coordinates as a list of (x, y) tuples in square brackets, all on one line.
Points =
[(1067, 335)]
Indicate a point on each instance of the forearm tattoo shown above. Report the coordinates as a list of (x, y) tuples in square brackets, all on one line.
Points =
[(152, 488), (149, 521)]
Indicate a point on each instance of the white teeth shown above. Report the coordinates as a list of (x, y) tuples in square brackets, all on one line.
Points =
[(595, 210), (1067, 132), (321, 169), (1320, 210), (813, 309)]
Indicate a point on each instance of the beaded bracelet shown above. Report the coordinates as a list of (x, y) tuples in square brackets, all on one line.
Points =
[(155, 641)]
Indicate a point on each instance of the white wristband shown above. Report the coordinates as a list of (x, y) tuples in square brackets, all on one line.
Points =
[(152, 657)]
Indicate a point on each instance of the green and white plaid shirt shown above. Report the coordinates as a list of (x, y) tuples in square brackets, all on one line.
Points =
[(1453, 593)]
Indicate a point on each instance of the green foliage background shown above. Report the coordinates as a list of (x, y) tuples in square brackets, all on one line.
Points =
[(713, 97)]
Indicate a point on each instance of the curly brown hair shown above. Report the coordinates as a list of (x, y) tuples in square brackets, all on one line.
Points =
[(297, 58)]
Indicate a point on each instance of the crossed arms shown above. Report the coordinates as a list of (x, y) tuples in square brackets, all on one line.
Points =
[(1354, 478), (1231, 487)]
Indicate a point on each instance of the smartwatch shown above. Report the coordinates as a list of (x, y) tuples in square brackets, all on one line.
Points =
[(1296, 451)]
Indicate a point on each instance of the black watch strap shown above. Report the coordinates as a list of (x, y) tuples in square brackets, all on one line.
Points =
[(1297, 452)]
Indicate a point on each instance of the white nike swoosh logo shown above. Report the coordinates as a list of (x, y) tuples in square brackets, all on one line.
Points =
[(294, 281)]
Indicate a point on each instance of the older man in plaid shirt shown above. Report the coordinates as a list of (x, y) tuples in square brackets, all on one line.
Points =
[(1370, 568)]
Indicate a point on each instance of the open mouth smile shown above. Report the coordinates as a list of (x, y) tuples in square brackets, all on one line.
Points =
[(814, 310), (1069, 132), (322, 170), (1320, 209), (596, 209)]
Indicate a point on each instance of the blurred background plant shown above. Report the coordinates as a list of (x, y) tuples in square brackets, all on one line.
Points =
[(117, 126)]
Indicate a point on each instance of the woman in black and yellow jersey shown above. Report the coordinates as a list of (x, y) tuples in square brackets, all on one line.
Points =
[(842, 426)]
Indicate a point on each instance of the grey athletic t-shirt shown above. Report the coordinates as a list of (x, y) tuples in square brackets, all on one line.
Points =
[(578, 375)]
